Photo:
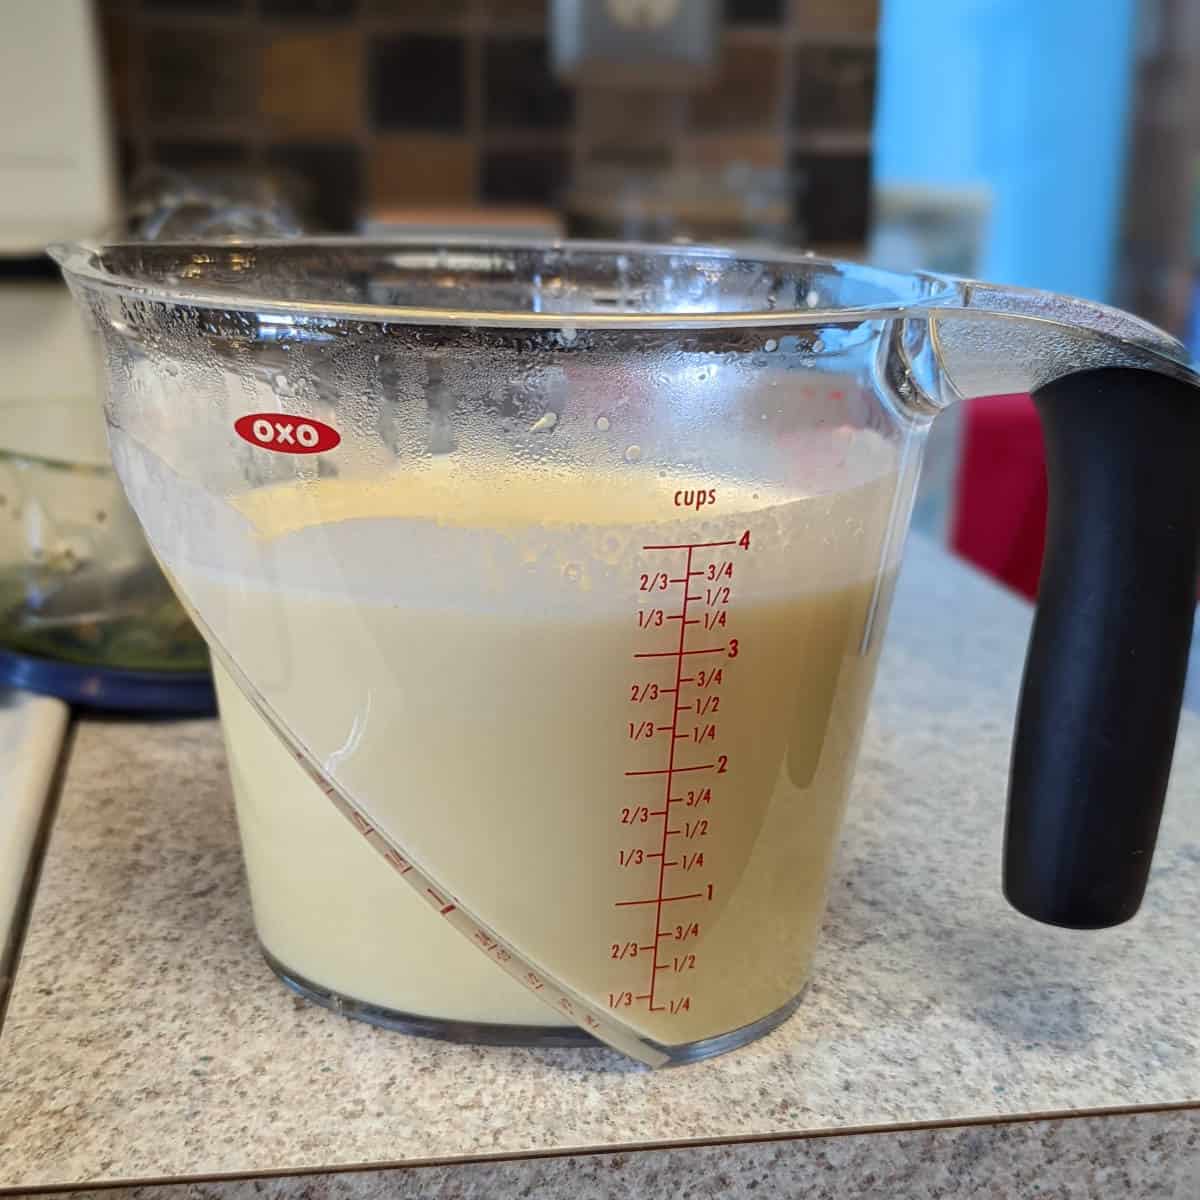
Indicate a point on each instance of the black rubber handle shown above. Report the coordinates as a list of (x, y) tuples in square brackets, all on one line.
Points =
[(1108, 654)]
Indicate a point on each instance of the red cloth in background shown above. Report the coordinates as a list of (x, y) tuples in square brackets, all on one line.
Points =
[(999, 520)]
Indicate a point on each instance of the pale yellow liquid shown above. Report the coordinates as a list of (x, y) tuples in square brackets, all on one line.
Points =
[(457, 653), (331, 913)]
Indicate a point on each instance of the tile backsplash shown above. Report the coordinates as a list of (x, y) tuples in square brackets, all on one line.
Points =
[(382, 105)]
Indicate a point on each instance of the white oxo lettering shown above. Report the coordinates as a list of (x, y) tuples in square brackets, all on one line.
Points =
[(303, 435)]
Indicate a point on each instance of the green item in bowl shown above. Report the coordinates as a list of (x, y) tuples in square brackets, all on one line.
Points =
[(77, 581)]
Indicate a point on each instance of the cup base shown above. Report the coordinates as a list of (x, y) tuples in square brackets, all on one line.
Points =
[(484, 1033)]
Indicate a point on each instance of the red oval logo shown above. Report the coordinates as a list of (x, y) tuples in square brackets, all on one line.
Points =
[(286, 435)]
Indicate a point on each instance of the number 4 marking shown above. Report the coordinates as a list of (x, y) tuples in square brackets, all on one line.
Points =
[(744, 540)]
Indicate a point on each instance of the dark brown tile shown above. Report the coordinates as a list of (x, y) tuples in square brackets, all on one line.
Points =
[(417, 82), (420, 168), (436, 16), (832, 18), (524, 176), (609, 118), (754, 12), (716, 150), (200, 75), (221, 7), (656, 156), (311, 83), (206, 155), (334, 174), (832, 197), (128, 159), (114, 41), (520, 89), (834, 88), (745, 92), (309, 10), (515, 15)]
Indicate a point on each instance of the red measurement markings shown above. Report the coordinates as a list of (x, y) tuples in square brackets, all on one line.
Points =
[(708, 588), (662, 862), (399, 863), (690, 546), (677, 770), (442, 905), (707, 894), (683, 653), (489, 945)]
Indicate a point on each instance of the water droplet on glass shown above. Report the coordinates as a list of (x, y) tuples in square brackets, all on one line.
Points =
[(818, 346), (567, 334), (544, 423), (280, 382), (602, 424), (633, 454), (770, 344), (812, 299), (573, 572)]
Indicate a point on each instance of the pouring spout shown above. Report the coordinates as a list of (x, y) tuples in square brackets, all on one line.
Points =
[(999, 340)]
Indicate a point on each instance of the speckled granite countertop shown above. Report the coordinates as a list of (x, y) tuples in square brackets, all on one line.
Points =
[(146, 1040)]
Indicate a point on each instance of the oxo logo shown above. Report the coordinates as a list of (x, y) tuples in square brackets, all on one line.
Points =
[(286, 435)]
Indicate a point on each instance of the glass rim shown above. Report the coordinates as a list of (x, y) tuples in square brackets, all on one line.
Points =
[(83, 261)]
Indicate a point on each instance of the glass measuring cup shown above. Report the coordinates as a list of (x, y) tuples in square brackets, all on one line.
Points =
[(563, 569)]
